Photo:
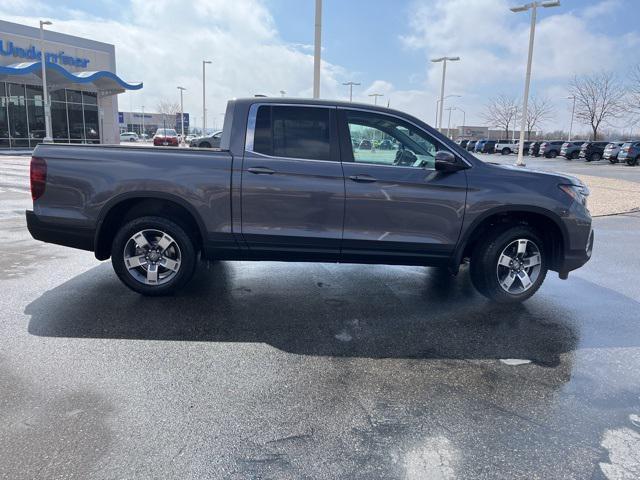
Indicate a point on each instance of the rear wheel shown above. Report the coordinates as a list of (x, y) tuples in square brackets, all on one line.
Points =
[(153, 256), (574, 155), (595, 157), (634, 162), (553, 154), (205, 145), (509, 265), (506, 151)]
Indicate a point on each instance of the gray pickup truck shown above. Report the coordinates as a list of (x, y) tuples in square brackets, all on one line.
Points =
[(306, 180)]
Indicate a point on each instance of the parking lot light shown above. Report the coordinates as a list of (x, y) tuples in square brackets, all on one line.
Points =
[(444, 61), (182, 89), (48, 138), (351, 84), (533, 6), (204, 106), (573, 111), (438, 103), (375, 97)]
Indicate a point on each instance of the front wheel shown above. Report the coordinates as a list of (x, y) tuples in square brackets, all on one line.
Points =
[(553, 154), (153, 256), (509, 265), (506, 151), (596, 157)]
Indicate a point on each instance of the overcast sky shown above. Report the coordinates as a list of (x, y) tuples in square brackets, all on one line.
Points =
[(264, 46)]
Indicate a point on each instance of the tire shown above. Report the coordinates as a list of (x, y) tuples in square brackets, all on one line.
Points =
[(204, 145), (132, 139), (553, 154), (574, 155), (506, 151), (634, 162), (486, 271), (179, 249), (595, 157)]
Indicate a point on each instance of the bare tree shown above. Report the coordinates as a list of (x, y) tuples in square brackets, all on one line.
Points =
[(599, 99), (539, 111), (168, 108), (501, 112)]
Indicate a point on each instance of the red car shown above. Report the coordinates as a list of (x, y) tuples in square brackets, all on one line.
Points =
[(165, 137)]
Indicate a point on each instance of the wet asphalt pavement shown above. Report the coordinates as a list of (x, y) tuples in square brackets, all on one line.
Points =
[(269, 370)]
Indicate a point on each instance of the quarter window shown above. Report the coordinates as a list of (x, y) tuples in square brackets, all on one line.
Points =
[(383, 140), (295, 132)]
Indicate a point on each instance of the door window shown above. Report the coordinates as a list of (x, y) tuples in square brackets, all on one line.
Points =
[(384, 140), (293, 132)]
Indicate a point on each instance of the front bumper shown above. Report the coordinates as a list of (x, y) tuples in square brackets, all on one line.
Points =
[(60, 234), (574, 259)]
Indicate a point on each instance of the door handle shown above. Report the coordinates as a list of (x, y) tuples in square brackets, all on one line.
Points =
[(363, 178), (261, 170)]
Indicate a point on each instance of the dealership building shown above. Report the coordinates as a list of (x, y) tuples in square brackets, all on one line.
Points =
[(82, 83)]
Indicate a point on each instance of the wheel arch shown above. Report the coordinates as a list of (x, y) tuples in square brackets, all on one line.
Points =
[(547, 223), (125, 207)]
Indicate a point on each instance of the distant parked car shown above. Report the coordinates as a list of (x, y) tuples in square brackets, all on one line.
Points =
[(593, 151), (534, 149), (365, 145), (571, 150), (525, 147), (462, 143), (484, 146), (128, 137), (208, 141), (630, 153), (611, 151), (386, 145), (505, 147), (550, 148), (165, 137), (471, 145)]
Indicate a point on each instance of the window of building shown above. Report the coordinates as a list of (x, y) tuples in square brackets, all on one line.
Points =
[(293, 132), (22, 121)]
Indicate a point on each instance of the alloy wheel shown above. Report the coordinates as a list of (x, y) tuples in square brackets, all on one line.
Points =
[(152, 257), (519, 266)]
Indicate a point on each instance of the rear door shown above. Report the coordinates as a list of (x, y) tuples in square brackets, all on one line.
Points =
[(292, 193), (398, 209)]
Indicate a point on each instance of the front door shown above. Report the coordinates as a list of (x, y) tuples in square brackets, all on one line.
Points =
[(398, 208), (292, 183)]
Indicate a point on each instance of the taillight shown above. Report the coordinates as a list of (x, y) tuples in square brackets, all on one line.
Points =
[(38, 176)]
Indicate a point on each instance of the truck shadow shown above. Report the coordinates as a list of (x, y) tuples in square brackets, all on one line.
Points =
[(328, 310)]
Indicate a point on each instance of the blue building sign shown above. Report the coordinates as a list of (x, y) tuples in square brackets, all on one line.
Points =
[(120, 117), (9, 49), (179, 124)]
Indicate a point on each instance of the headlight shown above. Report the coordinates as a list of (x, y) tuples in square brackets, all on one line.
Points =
[(578, 192)]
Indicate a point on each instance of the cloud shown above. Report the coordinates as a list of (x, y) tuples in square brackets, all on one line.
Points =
[(163, 44)]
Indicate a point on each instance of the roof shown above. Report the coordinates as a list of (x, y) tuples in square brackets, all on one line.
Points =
[(60, 77)]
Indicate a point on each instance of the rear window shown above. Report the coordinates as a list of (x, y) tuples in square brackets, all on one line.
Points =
[(295, 132)]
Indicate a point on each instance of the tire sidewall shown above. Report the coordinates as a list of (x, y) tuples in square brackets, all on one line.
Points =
[(484, 263), (185, 243)]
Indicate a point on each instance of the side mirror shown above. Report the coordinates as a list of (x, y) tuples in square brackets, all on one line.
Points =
[(446, 162)]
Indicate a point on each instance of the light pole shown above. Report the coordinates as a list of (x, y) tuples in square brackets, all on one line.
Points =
[(204, 106), (438, 103), (533, 6), (573, 111), (375, 97), (142, 123), (350, 84), (464, 116), (45, 93), (444, 61), (317, 47), (449, 109), (182, 89)]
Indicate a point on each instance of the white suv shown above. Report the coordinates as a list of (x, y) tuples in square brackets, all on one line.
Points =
[(505, 147)]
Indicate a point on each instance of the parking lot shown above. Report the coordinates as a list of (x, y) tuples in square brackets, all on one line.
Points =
[(274, 370)]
